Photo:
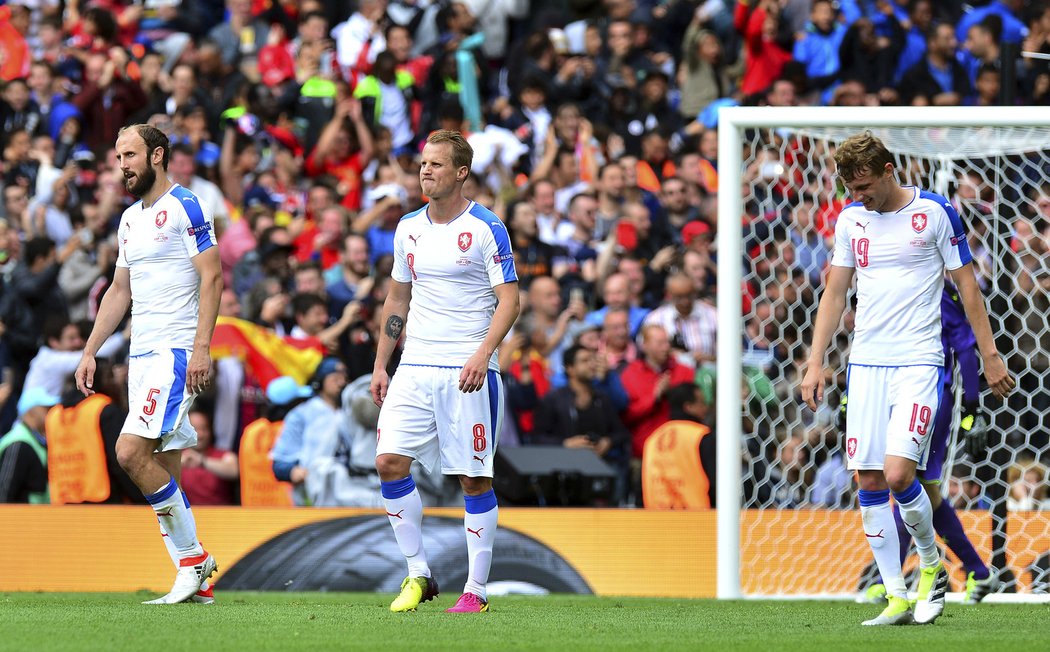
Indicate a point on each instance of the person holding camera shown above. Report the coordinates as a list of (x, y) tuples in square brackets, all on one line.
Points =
[(90, 262)]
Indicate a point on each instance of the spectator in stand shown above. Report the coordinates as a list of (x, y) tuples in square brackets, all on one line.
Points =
[(291, 452), (689, 322), (552, 322), (532, 257), (18, 110), (617, 296), (58, 358), (939, 79), (209, 472), (352, 277), (610, 187), (818, 46), (343, 151), (182, 170), (764, 57), (23, 452), (30, 298), (108, 98), (1013, 30), (647, 381), (311, 320), (703, 74), (871, 58), (241, 35), (361, 38), (14, 27)]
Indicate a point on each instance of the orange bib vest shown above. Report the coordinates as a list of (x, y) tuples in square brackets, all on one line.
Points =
[(672, 475), (76, 455), (259, 487)]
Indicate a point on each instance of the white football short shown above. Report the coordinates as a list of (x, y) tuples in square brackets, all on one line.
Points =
[(425, 416), (891, 411), (158, 400)]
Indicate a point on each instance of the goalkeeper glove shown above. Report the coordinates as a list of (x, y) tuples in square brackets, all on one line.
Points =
[(841, 421), (973, 428)]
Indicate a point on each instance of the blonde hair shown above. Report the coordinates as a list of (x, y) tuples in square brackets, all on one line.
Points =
[(462, 152), (862, 153)]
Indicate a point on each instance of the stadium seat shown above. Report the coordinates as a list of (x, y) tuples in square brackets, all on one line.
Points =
[(259, 487), (672, 475)]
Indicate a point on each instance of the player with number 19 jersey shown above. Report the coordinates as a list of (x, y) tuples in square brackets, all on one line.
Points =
[(899, 259)]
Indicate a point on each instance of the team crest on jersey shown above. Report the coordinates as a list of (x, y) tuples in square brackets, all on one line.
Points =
[(465, 240), (918, 222), (161, 218), (851, 447)]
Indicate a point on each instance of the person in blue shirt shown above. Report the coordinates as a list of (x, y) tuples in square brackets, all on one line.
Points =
[(818, 49), (1014, 31), (939, 79)]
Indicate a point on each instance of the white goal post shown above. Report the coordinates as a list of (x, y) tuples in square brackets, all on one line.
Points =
[(953, 127)]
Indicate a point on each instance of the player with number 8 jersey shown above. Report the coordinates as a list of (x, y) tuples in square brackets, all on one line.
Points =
[(897, 241), (454, 281)]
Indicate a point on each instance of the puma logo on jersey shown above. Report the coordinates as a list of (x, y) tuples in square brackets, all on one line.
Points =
[(415, 239), (863, 227)]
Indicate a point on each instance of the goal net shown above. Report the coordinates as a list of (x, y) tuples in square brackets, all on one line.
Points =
[(798, 523)]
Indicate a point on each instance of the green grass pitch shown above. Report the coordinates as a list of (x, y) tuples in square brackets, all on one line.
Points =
[(329, 621)]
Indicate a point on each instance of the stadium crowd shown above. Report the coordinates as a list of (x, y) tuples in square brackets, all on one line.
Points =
[(594, 127)]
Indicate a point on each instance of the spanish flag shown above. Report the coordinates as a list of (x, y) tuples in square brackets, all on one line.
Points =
[(265, 354)]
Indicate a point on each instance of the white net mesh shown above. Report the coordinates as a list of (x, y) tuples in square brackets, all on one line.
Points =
[(802, 520)]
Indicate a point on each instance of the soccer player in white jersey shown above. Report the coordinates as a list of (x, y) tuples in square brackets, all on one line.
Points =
[(454, 281), (897, 240), (168, 271)]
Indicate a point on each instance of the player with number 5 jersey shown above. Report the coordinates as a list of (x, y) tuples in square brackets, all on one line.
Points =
[(168, 272), (454, 282), (897, 241)]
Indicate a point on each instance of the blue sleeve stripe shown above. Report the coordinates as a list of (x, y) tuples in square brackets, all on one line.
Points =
[(175, 394), (958, 233), (196, 215), (502, 238)]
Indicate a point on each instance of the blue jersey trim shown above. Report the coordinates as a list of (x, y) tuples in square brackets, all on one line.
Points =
[(958, 232), (198, 225), (413, 214), (178, 387), (492, 383), (502, 238), (915, 195)]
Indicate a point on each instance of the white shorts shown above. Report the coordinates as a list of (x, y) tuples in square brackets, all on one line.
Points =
[(426, 417), (891, 411), (158, 400)]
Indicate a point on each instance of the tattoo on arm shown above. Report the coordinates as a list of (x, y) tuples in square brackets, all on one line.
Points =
[(394, 326)]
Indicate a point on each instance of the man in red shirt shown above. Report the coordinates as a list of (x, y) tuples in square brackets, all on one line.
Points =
[(647, 380)]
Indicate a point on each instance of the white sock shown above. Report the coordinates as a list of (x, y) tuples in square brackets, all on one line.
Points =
[(404, 509), (880, 529), (173, 512), (173, 553), (917, 514), (479, 524)]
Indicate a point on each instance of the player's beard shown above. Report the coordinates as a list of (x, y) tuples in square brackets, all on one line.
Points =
[(143, 181)]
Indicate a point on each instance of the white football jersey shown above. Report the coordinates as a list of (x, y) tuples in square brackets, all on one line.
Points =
[(157, 245), (899, 260), (452, 268)]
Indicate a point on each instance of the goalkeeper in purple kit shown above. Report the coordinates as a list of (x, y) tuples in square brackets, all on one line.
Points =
[(960, 346)]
